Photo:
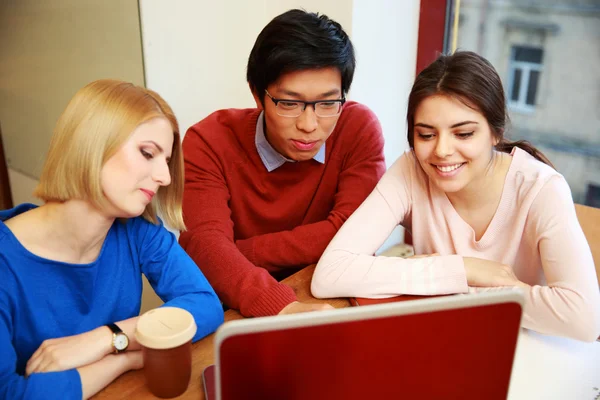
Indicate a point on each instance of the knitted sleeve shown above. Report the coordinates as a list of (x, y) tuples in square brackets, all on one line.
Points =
[(209, 238)]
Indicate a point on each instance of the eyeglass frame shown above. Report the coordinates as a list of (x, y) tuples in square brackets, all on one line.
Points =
[(306, 104)]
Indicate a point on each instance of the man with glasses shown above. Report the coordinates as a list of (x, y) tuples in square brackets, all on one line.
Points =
[(267, 188)]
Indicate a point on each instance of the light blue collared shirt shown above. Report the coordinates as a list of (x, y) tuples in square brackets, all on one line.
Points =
[(269, 156)]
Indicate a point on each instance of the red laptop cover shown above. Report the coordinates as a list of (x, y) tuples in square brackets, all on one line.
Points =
[(464, 353), (208, 379)]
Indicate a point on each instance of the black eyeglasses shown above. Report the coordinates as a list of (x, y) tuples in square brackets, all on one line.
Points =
[(295, 108)]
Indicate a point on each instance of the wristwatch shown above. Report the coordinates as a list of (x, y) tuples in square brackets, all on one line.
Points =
[(120, 341)]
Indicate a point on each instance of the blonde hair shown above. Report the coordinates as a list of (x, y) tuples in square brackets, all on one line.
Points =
[(96, 123)]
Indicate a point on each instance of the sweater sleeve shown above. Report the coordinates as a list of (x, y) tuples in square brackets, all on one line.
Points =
[(176, 279), (348, 267), (209, 238), (47, 386), (570, 303), (363, 167)]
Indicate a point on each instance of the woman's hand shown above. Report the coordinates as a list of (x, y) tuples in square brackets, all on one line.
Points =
[(488, 273), (70, 352), (96, 376), (134, 359)]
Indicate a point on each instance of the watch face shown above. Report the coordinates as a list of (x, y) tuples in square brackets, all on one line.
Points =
[(121, 341)]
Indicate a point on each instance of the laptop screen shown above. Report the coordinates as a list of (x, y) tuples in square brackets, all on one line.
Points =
[(465, 351)]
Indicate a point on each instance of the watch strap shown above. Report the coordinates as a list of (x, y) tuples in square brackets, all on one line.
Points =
[(115, 332), (114, 328)]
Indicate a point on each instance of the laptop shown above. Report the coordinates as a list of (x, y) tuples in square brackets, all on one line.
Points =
[(453, 347)]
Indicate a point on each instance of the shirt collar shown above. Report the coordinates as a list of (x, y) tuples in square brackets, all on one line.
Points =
[(269, 156)]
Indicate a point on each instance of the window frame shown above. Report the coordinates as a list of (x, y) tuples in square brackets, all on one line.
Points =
[(526, 68), (438, 25), (6, 201)]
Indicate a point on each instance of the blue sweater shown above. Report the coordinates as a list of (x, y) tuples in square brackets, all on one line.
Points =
[(43, 299)]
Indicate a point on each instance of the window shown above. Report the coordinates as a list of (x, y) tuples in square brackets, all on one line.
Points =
[(593, 196), (538, 49), (524, 76)]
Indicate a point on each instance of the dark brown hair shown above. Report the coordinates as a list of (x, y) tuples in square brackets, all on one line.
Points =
[(473, 80)]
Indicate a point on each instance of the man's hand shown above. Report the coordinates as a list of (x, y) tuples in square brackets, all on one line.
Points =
[(70, 352), (299, 307), (488, 273)]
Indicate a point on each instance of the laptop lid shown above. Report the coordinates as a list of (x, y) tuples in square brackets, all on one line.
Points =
[(459, 347)]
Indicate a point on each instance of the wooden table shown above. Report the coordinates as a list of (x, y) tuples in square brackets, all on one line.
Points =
[(545, 366), (133, 386)]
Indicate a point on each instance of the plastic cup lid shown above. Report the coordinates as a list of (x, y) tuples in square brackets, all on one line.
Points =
[(165, 328)]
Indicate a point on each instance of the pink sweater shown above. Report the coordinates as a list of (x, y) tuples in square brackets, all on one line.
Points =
[(535, 230)]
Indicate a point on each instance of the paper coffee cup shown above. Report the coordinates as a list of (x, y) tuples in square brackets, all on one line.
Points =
[(165, 335)]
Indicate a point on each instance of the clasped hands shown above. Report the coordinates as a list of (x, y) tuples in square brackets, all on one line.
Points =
[(486, 273), (76, 351)]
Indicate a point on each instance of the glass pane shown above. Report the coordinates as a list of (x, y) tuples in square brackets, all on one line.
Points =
[(593, 196), (528, 54), (516, 86), (538, 50), (533, 85)]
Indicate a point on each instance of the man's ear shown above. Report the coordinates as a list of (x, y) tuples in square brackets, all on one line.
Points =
[(257, 99)]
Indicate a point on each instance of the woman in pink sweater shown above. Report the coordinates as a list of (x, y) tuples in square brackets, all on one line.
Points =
[(492, 214)]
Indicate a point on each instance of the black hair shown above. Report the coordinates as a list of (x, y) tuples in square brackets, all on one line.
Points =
[(299, 40)]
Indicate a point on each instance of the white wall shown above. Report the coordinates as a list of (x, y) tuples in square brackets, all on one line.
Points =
[(339, 10), (21, 187), (385, 37), (196, 51)]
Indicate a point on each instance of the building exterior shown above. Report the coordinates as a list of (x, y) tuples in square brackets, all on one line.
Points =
[(547, 53)]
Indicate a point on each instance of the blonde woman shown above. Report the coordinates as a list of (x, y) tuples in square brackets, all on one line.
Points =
[(71, 268)]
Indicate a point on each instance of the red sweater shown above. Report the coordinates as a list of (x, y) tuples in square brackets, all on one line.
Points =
[(245, 223)]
